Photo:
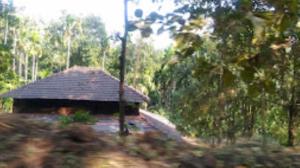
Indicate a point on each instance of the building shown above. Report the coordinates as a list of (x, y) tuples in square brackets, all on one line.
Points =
[(78, 88)]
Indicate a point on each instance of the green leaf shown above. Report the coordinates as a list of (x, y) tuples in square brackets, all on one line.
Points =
[(269, 86), (160, 30), (138, 13), (188, 51), (181, 21), (146, 32), (183, 39), (132, 26), (247, 74), (228, 78), (182, 9), (153, 16), (253, 90)]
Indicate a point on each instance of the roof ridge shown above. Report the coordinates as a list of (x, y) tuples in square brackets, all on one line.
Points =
[(111, 76), (31, 83), (129, 87), (49, 83)]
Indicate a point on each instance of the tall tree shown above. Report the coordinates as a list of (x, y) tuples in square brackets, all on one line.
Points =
[(122, 72), (91, 45), (72, 27), (250, 65)]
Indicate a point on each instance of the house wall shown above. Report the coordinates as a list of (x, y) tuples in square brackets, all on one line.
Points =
[(51, 106)]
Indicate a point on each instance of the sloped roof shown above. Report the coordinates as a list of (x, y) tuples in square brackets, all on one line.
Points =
[(77, 83)]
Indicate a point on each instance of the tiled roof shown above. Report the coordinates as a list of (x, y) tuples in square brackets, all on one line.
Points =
[(77, 83)]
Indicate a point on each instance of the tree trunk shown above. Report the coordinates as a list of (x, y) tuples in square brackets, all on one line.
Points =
[(245, 114), (33, 68), (26, 68), (264, 108), (232, 123), (221, 104), (137, 66), (103, 60), (252, 122), (14, 51), (291, 126), (6, 30), (20, 65), (122, 72), (14, 64), (68, 52), (292, 108), (36, 68)]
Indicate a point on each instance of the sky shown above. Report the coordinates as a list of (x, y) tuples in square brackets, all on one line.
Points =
[(111, 12)]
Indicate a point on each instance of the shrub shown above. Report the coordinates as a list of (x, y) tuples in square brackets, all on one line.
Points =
[(65, 120), (82, 116), (79, 116)]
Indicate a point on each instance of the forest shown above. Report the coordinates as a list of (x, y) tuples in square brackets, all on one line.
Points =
[(233, 71)]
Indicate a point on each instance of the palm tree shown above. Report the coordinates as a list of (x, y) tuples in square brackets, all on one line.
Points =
[(35, 52), (71, 29)]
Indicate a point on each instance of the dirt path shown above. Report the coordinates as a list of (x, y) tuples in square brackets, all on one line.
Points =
[(162, 124)]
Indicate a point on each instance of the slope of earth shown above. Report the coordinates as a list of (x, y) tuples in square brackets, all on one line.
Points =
[(29, 143), (25, 142), (245, 154)]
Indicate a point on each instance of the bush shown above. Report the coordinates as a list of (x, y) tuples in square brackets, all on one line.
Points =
[(6, 104), (82, 116), (65, 120), (79, 116)]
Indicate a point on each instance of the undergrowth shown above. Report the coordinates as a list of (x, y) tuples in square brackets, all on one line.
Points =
[(79, 116)]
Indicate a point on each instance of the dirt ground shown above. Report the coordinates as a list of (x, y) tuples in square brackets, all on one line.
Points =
[(31, 143), (104, 123), (25, 142)]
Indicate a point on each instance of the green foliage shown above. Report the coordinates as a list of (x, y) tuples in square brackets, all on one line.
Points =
[(80, 116), (138, 13), (65, 120), (34, 51), (238, 78)]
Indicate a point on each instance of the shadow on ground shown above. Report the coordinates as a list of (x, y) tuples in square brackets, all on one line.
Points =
[(27, 143), (30, 143)]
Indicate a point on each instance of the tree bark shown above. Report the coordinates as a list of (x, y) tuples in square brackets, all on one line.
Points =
[(14, 50), (20, 65), (33, 68), (14, 64), (26, 68), (264, 108), (6, 30), (252, 122), (122, 72), (36, 68), (68, 53), (137, 66), (292, 109), (291, 126), (221, 102), (103, 60)]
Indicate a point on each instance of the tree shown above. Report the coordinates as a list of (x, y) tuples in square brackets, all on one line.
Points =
[(247, 80), (122, 72), (91, 45), (72, 27)]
